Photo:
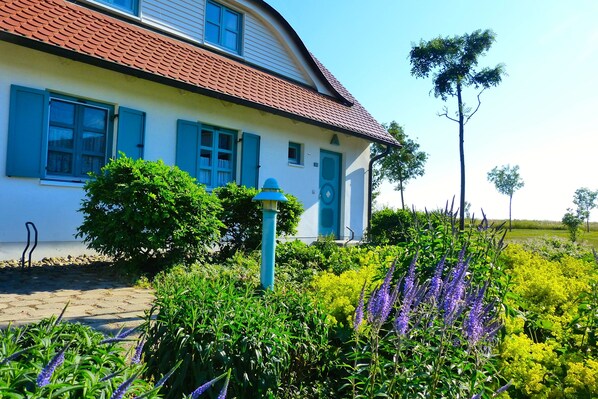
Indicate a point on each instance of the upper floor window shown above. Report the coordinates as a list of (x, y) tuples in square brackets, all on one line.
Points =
[(223, 27), (129, 6)]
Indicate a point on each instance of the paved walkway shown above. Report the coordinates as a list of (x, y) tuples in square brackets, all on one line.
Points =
[(95, 297)]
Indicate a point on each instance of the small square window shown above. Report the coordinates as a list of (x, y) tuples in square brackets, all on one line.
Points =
[(295, 154)]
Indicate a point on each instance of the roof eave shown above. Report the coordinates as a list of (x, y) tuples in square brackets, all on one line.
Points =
[(77, 56)]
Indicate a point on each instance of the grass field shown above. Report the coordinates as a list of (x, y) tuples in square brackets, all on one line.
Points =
[(530, 229)]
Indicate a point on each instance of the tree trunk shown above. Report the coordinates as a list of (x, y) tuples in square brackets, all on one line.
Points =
[(462, 158), (401, 188), (510, 202), (588, 222)]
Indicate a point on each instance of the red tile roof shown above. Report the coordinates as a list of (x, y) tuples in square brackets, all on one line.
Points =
[(74, 31)]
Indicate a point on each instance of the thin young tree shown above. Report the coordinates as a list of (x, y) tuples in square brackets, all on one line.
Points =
[(452, 61), (585, 200), (507, 180), (402, 164)]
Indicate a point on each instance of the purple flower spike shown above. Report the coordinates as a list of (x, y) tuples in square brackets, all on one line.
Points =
[(476, 396), (454, 292), (410, 279), (122, 389), (137, 355), (436, 283), (195, 394), (44, 376), (474, 328), (382, 300), (222, 393), (121, 336), (358, 319), (502, 389)]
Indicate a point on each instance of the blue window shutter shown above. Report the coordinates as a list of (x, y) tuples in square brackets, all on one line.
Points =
[(250, 160), (187, 145), (131, 132), (27, 132)]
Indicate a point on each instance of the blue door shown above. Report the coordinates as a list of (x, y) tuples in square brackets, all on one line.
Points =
[(330, 194)]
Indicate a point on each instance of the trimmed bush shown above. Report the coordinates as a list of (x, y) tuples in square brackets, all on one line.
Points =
[(242, 217), (148, 212), (275, 343), (390, 227)]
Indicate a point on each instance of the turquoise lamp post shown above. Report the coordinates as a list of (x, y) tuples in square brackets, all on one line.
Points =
[(270, 196)]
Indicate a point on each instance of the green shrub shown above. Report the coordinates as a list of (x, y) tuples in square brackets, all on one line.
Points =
[(242, 217), (389, 226), (556, 248), (148, 212), (275, 343), (25, 351), (550, 346)]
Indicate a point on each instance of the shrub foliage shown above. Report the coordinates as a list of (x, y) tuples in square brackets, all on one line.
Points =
[(242, 217), (147, 211)]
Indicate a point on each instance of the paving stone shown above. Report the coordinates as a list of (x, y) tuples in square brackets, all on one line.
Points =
[(39, 292), (25, 302)]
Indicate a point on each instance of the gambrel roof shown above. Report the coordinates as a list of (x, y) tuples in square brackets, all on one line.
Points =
[(83, 34)]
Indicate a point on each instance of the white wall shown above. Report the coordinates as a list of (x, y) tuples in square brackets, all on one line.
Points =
[(53, 207)]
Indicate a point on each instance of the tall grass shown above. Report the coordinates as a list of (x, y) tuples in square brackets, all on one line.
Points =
[(540, 224)]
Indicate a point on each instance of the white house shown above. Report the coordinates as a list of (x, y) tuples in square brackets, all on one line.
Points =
[(225, 89)]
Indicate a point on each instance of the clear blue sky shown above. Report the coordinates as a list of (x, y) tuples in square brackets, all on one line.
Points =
[(543, 117)]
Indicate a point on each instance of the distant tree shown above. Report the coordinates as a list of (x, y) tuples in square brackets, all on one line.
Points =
[(572, 221), (506, 179), (452, 62), (402, 164), (585, 200)]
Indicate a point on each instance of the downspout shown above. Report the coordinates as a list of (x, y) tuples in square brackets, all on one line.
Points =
[(371, 181)]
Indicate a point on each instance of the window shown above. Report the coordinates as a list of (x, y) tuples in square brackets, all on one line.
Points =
[(77, 138), (206, 152), (129, 6), (223, 27), (295, 154), (63, 138)]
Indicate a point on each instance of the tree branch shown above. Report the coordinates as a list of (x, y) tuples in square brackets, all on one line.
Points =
[(445, 109), (476, 109)]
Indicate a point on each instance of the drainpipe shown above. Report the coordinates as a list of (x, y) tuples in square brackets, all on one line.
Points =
[(371, 181)]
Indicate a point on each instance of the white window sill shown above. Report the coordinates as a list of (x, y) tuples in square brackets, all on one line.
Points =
[(62, 183), (296, 165)]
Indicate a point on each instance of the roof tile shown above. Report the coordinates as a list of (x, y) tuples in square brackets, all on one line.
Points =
[(85, 31)]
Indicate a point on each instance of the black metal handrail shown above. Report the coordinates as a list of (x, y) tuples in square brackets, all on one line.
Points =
[(28, 225)]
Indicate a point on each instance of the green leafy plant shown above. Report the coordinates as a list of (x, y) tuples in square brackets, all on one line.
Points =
[(53, 359), (390, 227), (275, 343), (550, 348), (242, 217), (573, 223), (148, 212)]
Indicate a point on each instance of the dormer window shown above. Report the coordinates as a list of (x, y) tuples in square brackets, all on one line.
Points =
[(129, 6), (223, 27)]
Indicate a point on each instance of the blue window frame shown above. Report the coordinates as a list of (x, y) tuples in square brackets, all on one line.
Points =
[(206, 152), (295, 154), (223, 27), (78, 137), (59, 137), (129, 6)]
